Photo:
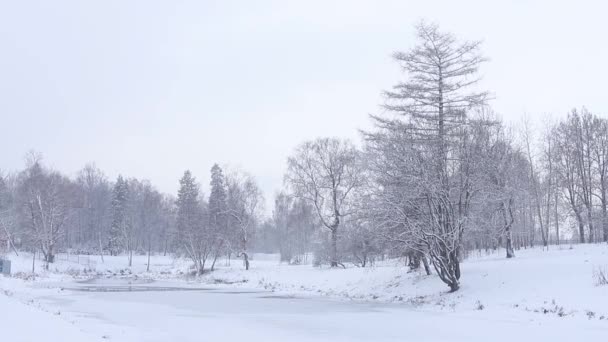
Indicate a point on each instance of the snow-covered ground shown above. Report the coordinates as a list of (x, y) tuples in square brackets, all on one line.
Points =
[(539, 294), (27, 322), (87, 266), (559, 279)]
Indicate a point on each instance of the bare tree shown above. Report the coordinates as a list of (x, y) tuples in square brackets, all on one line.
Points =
[(294, 222), (582, 138), (600, 160), (45, 208), (507, 175), (325, 172), (192, 226), (567, 173), (534, 176), (94, 207), (244, 205)]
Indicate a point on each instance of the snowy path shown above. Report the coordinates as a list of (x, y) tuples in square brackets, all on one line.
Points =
[(230, 315)]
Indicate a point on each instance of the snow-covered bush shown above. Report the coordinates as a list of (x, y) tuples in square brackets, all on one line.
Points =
[(600, 276)]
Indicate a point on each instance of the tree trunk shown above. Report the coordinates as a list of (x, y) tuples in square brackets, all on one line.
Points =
[(425, 262), (414, 262), (508, 222), (454, 286), (581, 227), (509, 246), (591, 237), (456, 265), (149, 251), (197, 265), (556, 221), (246, 261), (101, 249), (604, 201), (213, 263), (334, 247)]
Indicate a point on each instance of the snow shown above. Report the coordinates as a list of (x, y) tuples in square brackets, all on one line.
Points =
[(26, 322), (536, 279), (539, 294), (69, 268)]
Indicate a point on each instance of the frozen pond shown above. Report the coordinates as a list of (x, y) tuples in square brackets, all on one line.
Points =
[(136, 310), (125, 285)]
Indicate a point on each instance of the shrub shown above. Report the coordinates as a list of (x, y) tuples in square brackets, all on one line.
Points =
[(600, 276)]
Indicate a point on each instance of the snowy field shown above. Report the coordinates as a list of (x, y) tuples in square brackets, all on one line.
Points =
[(538, 295)]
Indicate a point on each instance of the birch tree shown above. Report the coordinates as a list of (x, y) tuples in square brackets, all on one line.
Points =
[(325, 172), (244, 207), (44, 203)]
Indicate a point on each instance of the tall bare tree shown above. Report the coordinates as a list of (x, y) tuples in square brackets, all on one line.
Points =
[(534, 177), (244, 207), (600, 160), (325, 172), (44, 202), (567, 173), (582, 139)]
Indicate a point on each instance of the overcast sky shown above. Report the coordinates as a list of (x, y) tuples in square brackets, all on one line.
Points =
[(151, 88)]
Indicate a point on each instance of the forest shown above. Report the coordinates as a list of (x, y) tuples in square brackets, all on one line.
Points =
[(438, 176)]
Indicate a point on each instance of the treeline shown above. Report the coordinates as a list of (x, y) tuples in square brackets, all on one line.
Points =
[(438, 175), (43, 211), (47, 212)]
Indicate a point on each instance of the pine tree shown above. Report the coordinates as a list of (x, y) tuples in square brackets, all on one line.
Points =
[(119, 204), (218, 220), (217, 198), (187, 203)]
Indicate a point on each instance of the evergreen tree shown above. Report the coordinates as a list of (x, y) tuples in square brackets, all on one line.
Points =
[(217, 198), (218, 218), (119, 205), (187, 203)]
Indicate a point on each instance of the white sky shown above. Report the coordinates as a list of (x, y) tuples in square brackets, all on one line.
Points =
[(151, 88)]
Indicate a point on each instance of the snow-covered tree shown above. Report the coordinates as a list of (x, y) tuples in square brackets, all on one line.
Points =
[(221, 234), (432, 124), (325, 172), (44, 204), (244, 209), (94, 208), (192, 230), (119, 226)]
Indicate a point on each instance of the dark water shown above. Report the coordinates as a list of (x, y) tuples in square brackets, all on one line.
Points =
[(141, 285), (132, 288)]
